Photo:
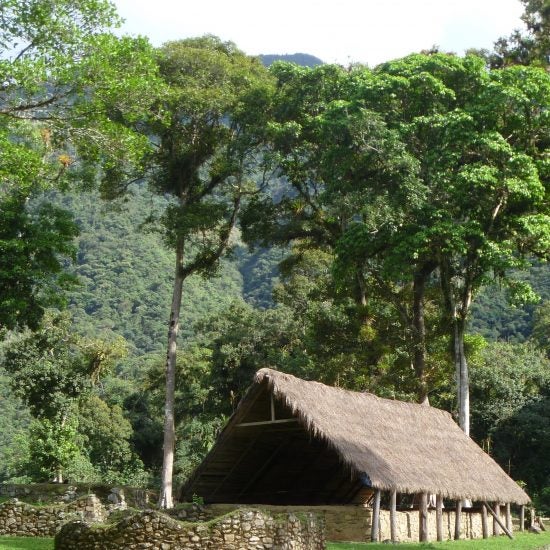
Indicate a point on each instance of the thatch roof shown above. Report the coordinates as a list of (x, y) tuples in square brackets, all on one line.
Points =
[(390, 444)]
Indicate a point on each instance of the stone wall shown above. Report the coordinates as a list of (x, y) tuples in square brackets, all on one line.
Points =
[(22, 519), (250, 529), (58, 492), (342, 523), (353, 523), (408, 525)]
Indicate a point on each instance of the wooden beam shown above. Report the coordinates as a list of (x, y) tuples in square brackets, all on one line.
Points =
[(237, 462), (458, 517), (439, 517), (508, 517), (375, 517), (496, 528), (484, 526), (272, 408), (498, 520), (267, 422), (265, 466), (393, 516), (423, 518), (522, 518)]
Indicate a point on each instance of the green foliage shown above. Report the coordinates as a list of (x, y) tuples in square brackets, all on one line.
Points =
[(301, 59), (104, 439), (14, 437), (52, 447), (46, 370), (510, 387), (125, 274), (504, 379), (522, 443), (33, 244), (494, 317), (541, 327)]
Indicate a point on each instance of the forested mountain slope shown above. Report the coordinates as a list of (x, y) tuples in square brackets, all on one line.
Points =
[(304, 59), (125, 274)]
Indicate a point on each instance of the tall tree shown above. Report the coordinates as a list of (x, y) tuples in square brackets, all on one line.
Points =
[(348, 173), (50, 370), (427, 166), (57, 66), (480, 139), (201, 160)]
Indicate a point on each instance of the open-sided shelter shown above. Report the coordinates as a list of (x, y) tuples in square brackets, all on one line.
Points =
[(292, 441)]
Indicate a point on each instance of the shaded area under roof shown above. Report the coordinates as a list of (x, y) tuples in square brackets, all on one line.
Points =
[(296, 442)]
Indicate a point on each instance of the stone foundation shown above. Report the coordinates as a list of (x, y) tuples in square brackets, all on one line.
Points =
[(243, 529), (49, 493), (342, 523), (353, 523), (20, 519), (408, 525)]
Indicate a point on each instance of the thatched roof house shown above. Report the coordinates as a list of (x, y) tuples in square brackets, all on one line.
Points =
[(296, 442)]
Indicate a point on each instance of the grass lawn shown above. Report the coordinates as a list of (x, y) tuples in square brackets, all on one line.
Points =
[(522, 541), (25, 543)]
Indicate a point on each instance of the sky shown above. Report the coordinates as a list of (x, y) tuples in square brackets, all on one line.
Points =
[(337, 31)]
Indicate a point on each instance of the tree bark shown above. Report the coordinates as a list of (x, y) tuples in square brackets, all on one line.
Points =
[(393, 516), (439, 517), (458, 518), (463, 379), (484, 526), (457, 319), (419, 333), (375, 528), (419, 330), (423, 518), (166, 500)]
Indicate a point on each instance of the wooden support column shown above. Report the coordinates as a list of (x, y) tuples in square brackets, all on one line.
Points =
[(522, 518), (497, 519), (458, 518), (423, 518), (484, 526), (375, 517), (393, 516), (508, 517), (496, 522), (439, 517)]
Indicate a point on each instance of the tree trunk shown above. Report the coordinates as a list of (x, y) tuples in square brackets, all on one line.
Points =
[(457, 320), (462, 377), (419, 335), (166, 500)]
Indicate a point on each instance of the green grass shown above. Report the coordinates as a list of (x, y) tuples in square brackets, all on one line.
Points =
[(522, 541), (25, 543)]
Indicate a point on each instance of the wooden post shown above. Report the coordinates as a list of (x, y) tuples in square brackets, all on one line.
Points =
[(532, 518), (498, 520), (508, 517), (458, 514), (423, 518), (496, 523), (522, 518), (484, 526), (439, 517), (393, 518), (375, 517)]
